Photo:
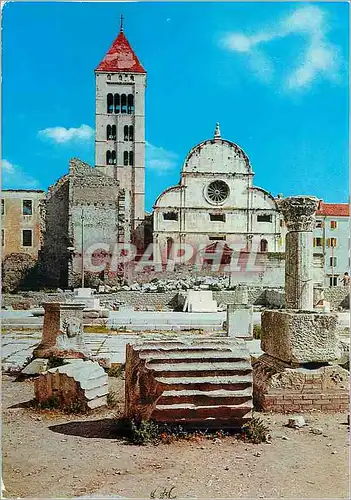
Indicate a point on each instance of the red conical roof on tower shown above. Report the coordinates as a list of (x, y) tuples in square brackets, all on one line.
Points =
[(120, 57)]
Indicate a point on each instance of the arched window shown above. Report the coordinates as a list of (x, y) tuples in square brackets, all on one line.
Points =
[(113, 157), (109, 103), (108, 77), (108, 132), (130, 103), (108, 158), (264, 246), (131, 133), (132, 77), (120, 77), (126, 135), (125, 158), (117, 103), (113, 132), (131, 158), (123, 103)]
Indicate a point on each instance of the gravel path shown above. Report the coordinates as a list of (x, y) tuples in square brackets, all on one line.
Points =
[(49, 455)]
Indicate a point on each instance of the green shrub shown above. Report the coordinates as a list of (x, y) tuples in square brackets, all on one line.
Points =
[(111, 399), (257, 332), (255, 431), (116, 371)]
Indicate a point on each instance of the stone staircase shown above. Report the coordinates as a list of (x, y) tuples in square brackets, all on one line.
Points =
[(201, 383)]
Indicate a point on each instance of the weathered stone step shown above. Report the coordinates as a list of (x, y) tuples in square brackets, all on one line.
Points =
[(194, 359), (193, 354), (190, 344), (165, 413), (199, 369), (212, 383), (205, 398)]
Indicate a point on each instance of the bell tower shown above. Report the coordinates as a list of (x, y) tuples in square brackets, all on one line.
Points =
[(120, 129)]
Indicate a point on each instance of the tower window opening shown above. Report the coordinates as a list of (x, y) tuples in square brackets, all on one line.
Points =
[(125, 158), (132, 77), (108, 132), (109, 103), (131, 158), (130, 103), (131, 133), (123, 103), (126, 135), (113, 132), (113, 157), (108, 158), (117, 103)]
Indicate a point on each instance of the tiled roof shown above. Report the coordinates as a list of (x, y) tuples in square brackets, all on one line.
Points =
[(120, 57), (336, 209)]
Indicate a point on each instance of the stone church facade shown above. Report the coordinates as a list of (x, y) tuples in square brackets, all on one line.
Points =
[(216, 201)]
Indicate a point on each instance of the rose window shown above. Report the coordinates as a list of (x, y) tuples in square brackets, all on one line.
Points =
[(217, 192)]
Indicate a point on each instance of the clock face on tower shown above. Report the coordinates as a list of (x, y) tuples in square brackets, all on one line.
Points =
[(217, 192)]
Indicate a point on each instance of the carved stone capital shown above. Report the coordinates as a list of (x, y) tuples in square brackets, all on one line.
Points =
[(299, 212)]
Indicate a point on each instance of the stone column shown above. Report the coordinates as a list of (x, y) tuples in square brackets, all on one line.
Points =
[(299, 214)]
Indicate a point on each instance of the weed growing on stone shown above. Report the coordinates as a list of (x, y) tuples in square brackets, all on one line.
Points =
[(257, 332), (255, 431), (111, 399), (116, 371), (54, 362)]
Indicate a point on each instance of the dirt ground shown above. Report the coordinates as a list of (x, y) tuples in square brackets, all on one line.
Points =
[(49, 455)]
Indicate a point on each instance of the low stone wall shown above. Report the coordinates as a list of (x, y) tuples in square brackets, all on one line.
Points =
[(270, 297)]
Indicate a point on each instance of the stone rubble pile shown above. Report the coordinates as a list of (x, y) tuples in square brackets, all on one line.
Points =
[(166, 285)]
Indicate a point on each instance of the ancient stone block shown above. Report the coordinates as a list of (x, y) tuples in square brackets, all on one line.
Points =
[(279, 387), (85, 296), (195, 382), (82, 383), (38, 365), (300, 337), (200, 301), (240, 321), (62, 331)]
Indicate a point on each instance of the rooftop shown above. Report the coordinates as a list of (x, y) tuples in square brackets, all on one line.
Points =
[(120, 57), (336, 209)]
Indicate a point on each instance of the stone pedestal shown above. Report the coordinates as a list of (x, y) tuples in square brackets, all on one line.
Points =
[(200, 301), (278, 387), (62, 331), (240, 321), (299, 337), (299, 214), (240, 294)]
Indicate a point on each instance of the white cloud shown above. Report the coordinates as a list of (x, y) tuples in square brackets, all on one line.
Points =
[(320, 58), (62, 135), (13, 177), (158, 158)]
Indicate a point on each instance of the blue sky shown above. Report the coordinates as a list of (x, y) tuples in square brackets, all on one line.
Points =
[(275, 75)]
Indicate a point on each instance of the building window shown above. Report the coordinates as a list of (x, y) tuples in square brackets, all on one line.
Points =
[(126, 132), (123, 103), (109, 103), (27, 238), (319, 224), (111, 132), (117, 103), (216, 238), (332, 261), (2, 238), (131, 133), (27, 207), (332, 242), (132, 77), (2, 207), (264, 218), (263, 246), (217, 217), (333, 224), (131, 158), (170, 216), (108, 77), (108, 158), (217, 192), (113, 158), (333, 280), (281, 223), (125, 158), (130, 100), (317, 242)]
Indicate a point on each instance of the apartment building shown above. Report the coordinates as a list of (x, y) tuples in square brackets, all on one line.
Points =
[(332, 239), (22, 221)]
